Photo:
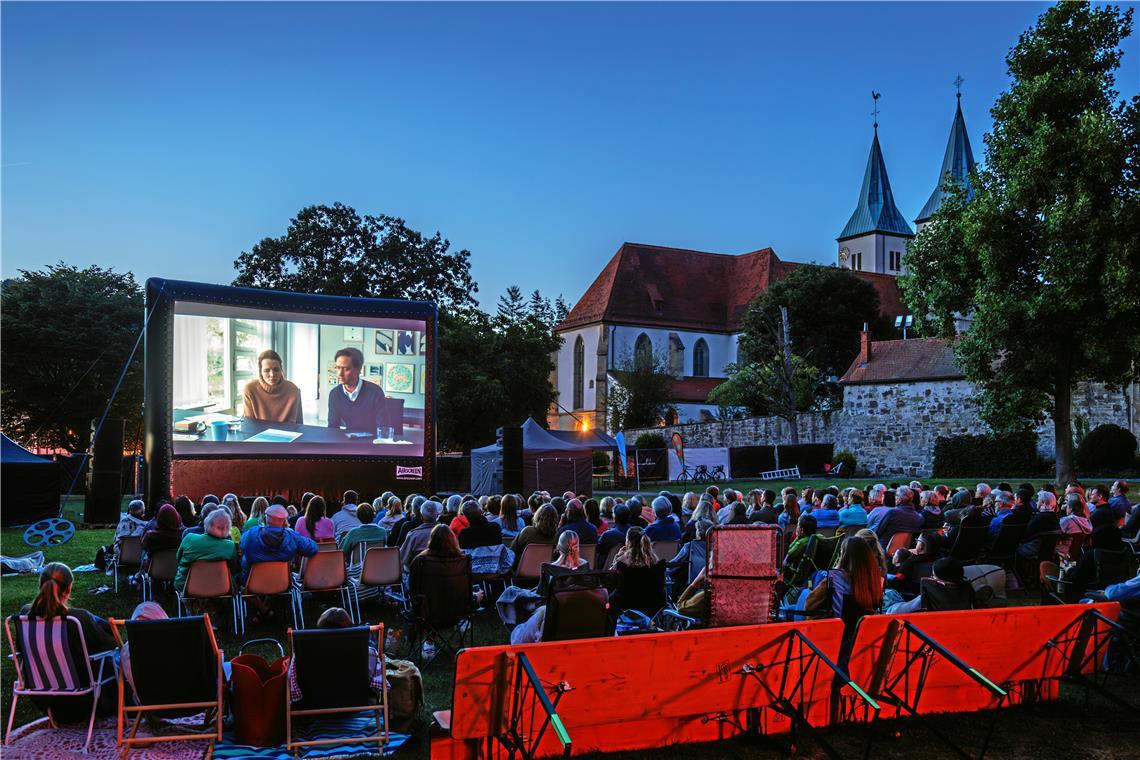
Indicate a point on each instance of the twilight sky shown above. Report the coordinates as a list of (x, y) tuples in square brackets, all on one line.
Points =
[(165, 139)]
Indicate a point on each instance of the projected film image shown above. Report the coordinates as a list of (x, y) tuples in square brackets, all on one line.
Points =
[(258, 382)]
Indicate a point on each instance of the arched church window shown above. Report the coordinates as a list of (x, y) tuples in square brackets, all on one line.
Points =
[(579, 373), (701, 358), (643, 350)]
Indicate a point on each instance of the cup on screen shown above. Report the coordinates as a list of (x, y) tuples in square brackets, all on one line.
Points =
[(219, 430)]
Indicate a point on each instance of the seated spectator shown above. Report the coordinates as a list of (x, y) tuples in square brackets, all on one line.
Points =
[(1004, 502), (508, 519), (688, 505), (274, 541), (167, 532), (900, 518), (480, 531), (952, 511), (664, 527), (853, 516), (691, 559), (1119, 501), (131, 524), (411, 521), (143, 611), (790, 513), (642, 583), (853, 589), (872, 541), (345, 518), (215, 543), (1045, 521), (575, 520), (256, 514), (805, 529), (452, 514), (366, 532), (543, 531), (302, 511), (594, 516), (51, 601), (1102, 513), (336, 617), (909, 566), (827, 513), (1080, 577), (440, 557), (1073, 522), (739, 514), (568, 561), (930, 511), (315, 524), (767, 513), (615, 536), (636, 512), (389, 512), (703, 511), (417, 539), (187, 515), (947, 571)]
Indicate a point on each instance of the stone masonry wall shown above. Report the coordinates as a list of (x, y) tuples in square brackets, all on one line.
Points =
[(892, 428)]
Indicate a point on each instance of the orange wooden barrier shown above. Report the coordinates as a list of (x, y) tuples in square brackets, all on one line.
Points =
[(1008, 646), (639, 692)]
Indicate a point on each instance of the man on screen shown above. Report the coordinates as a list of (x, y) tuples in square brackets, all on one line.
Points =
[(269, 396), (354, 404)]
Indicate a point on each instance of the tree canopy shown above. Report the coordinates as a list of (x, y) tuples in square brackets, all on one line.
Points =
[(643, 393), (1045, 259), (67, 334)]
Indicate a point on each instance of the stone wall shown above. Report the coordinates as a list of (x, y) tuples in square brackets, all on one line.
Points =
[(892, 428)]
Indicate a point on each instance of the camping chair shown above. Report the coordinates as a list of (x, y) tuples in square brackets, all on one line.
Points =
[(270, 579), (210, 579), (969, 544), (577, 606), (1003, 551), (938, 597), (332, 668), (442, 613), (128, 556), (176, 667), (160, 567), (325, 572), (52, 661), (381, 570), (533, 557), (900, 540)]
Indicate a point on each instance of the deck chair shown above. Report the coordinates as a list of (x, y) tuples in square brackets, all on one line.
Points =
[(177, 671), (577, 606), (381, 570), (52, 661), (529, 569), (270, 579), (970, 543), (128, 557), (160, 568), (325, 572), (210, 579), (937, 597), (332, 668), (442, 613)]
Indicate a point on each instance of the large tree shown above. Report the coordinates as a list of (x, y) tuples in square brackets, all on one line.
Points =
[(335, 251), (643, 393), (67, 334), (1046, 256)]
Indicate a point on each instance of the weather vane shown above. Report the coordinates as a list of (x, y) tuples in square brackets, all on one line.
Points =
[(875, 98), (958, 84)]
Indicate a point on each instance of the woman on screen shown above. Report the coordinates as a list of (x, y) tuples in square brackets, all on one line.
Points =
[(269, 396)]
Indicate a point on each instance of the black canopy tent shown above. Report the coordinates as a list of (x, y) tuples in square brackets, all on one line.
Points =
[(549, 464), (29, 490)]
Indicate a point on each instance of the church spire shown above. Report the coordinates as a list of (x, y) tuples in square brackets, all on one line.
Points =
[(957, 162), (876, 210)]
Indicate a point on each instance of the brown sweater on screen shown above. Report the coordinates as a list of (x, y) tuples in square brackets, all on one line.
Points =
[(277, 403)]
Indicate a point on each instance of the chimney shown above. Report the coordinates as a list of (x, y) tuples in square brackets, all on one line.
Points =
[(865, 345)]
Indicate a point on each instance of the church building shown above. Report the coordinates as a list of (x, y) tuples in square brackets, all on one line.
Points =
[(689, 305)]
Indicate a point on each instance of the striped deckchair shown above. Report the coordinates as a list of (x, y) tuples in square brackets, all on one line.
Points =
[(52, 660)]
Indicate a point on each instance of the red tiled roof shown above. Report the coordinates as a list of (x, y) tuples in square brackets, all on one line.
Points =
[(692, 290), (694, 390), (905, 361)]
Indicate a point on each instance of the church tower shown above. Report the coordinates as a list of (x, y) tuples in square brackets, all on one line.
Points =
[(958, 162), (876, 236)]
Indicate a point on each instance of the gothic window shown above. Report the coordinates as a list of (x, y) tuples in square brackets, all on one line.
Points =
[(701, 358), (643, 350), (676, 355), (579, 372)]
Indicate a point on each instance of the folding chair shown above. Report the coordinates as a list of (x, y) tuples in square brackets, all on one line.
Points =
[(442, 613), (176, 667), (128, 556), (161, 567), (901, 540), (325, 572), (533, 557), (938, 597), (333, 673), (356, 558), (577, 606), (211, 579), (52, 660), (270, 579), (380, 570)]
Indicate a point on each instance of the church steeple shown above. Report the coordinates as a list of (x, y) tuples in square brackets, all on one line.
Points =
[(957, 162)]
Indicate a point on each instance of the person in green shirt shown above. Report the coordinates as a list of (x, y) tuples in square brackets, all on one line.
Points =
[(365, 532), (256, 514), (213, 543)]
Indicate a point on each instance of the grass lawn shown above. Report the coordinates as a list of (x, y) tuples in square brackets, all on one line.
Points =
[(1067, 728)]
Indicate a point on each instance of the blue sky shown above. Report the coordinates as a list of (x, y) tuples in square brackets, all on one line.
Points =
[(165, 139)]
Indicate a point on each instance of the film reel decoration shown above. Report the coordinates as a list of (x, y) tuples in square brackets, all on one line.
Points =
[(53, 532)]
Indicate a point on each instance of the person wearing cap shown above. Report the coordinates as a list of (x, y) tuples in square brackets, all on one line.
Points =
[(664, 528)]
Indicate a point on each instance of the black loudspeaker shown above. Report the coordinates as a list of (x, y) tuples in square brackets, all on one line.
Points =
[(105, 473), (512, 460)]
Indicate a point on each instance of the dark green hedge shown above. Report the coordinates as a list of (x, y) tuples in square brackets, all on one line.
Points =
[(1005, 455), (650, 441), (1107, 448)]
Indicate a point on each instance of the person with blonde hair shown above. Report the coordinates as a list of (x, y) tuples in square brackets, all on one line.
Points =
[(569, 560), (52, 601), (390, 511), (256, 514)]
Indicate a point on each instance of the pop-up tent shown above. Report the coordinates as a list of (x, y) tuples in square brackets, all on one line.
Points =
[(29, 485), (549, 464), (591, 439)]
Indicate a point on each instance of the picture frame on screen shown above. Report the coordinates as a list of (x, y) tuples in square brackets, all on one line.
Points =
[(374, 373), (385, 343), (422, 343), (423, 382), (405, 343), (399, 378)]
